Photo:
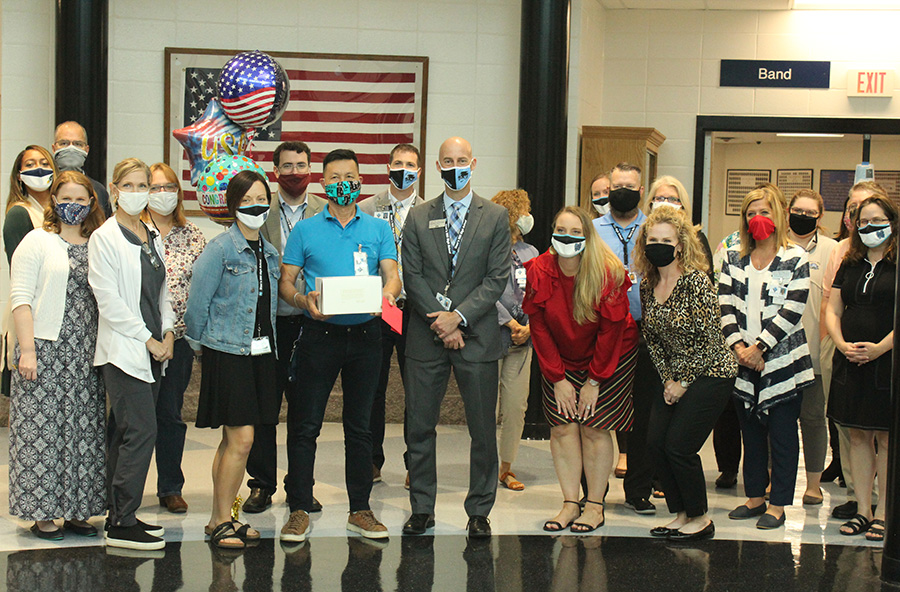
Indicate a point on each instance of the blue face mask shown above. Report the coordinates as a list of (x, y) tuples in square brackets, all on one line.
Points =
[(455, 178), (343, 193), (403, 178), (72, 213)]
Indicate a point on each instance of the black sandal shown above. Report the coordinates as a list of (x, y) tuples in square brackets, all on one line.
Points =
[(585, 528), (222, 533), (243, 531), (875, 534), (857, 525), (554, 526)]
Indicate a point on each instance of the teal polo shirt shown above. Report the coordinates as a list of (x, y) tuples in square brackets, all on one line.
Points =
[(324, 248)]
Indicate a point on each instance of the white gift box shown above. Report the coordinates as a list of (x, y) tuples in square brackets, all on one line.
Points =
[(355, 294)]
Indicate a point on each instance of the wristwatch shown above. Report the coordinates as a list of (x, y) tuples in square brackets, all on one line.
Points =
[(761, 346), (593, 382), (685, 384)]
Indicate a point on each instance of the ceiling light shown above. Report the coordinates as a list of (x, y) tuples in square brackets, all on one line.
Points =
[(808, 135)]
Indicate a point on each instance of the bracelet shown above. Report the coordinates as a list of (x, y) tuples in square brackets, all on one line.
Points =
[(294, 299)]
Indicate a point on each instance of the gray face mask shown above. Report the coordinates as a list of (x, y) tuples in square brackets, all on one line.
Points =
[(70, 158)]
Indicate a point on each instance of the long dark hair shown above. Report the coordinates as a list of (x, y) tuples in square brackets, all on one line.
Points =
[(858, 250), (238, 187)]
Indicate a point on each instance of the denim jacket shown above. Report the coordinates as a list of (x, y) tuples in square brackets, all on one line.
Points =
[(221, 307)]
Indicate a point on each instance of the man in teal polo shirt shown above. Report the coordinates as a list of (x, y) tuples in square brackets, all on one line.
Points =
[(339, 241)]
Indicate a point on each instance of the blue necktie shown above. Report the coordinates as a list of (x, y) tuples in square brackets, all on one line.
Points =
[(455, 229)]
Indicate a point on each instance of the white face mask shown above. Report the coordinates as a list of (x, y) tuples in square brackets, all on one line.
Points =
[(37, 179), (133, 202), (253, 221), (874, 237), (525, 223), (659, 204), (566, 245), (602, 210), (164, 202)]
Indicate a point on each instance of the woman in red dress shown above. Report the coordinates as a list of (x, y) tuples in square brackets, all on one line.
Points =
[(586, 344)]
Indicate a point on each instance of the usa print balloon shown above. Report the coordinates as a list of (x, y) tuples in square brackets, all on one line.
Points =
[(254, 89)]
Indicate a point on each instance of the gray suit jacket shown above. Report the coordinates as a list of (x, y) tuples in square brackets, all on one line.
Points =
[(482, 270), (271, 230), (381, 201)]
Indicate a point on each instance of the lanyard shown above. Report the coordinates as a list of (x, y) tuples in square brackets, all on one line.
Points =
[(286, 225), (453, 249), (260, 261), (624, 241)]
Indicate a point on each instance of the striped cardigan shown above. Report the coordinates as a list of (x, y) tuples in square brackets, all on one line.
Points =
[(788, 367)]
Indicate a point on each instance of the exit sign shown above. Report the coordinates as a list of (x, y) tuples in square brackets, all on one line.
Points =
[(870, 83)]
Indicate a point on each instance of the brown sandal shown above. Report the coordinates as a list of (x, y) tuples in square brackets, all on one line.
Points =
[(513, 483)]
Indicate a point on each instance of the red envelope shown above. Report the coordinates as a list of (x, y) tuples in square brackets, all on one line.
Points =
[(392, 315)]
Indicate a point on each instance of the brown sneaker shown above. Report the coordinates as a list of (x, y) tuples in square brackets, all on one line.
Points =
[(297, 527), (365, 523)]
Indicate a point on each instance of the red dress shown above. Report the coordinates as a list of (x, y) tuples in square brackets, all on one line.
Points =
[(605, 349)]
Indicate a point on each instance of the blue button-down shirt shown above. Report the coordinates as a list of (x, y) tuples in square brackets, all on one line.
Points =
[(605, 226)]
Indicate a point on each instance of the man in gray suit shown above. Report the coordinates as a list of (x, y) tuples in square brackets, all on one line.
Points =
[(456, 261), (393, 204), (291, 164)]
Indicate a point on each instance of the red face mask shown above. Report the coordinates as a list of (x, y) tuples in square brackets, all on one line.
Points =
[(294, 185), (761, 227)]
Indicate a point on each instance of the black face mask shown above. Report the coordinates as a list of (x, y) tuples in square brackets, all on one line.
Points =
[(624, 199), (660, 254), (802, 225)]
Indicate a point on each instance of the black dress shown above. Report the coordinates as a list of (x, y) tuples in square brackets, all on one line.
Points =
[(241, 390), (861, 395)]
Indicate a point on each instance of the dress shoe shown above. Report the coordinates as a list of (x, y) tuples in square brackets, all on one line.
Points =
[(726, 480), (832, 472), (418, 523), (707, 532), (316, 506), (376, 474), (174, 504), (845, 511), (768, 522), (406, 483), (51, 535), (259, 500), (662, 531), (641, 506), (742, 512), (479, 527)]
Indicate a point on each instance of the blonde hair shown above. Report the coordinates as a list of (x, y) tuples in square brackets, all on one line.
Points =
[(128, 166), (778, 204), (18, 193), (669, 181), (597, 266), (517, 205), (95, 218), (178, 218), (690, 258)]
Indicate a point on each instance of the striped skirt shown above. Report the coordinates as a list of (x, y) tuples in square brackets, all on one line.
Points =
[(614, 410)]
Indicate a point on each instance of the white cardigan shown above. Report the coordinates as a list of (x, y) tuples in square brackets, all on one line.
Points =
[(39, 274), (114, 273)]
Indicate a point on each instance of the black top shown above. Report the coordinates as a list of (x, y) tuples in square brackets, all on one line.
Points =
[(153, 277), (868, 295), (15, 227), (263, 302)]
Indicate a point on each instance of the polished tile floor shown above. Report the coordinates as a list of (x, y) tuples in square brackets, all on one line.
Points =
[(807, 554)]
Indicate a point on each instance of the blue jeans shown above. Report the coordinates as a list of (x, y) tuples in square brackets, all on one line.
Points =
[(325, 350), (170, 429)]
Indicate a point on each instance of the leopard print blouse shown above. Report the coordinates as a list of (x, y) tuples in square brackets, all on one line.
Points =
[(684, 333)]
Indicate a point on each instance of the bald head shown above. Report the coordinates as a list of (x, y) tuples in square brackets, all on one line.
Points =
[(455, 146), (456, 153), (68, 133)]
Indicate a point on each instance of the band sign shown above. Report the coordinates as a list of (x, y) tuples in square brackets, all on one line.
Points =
[(775, 74), (870, 83)]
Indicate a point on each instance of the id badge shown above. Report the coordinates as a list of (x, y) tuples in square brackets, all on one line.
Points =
[(383, 215), (521, 277), (360, 263), (260, 346), (634, 280), (445, 302)]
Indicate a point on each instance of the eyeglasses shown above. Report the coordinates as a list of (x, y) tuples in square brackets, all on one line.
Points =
[(876, 221), (290, 167), (154, 260), (662, 199), (67, 143), (170, 187), (810, 213)]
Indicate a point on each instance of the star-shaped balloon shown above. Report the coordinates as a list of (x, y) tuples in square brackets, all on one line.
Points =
[(211, 136)]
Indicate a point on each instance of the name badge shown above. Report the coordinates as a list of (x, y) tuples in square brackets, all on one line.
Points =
[(778, 293), (445, 302), (634, 280), (383, 215), (437, 223), (360, 263), (260, 346), (521, 277)]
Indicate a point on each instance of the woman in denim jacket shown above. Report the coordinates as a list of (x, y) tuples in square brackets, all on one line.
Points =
[(231, 316)]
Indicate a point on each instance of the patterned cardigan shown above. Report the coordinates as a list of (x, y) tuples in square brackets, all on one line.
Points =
[(788, 367)]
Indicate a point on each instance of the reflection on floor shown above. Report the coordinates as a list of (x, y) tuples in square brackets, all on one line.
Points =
[(507, 563), (807, 554)]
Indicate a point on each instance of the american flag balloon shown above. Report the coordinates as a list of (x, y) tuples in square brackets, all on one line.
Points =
[(212, 135), (253, 89)]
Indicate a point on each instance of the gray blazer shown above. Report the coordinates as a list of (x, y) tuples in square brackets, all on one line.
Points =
[(381, 201), (271, 230), (482, 271)]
